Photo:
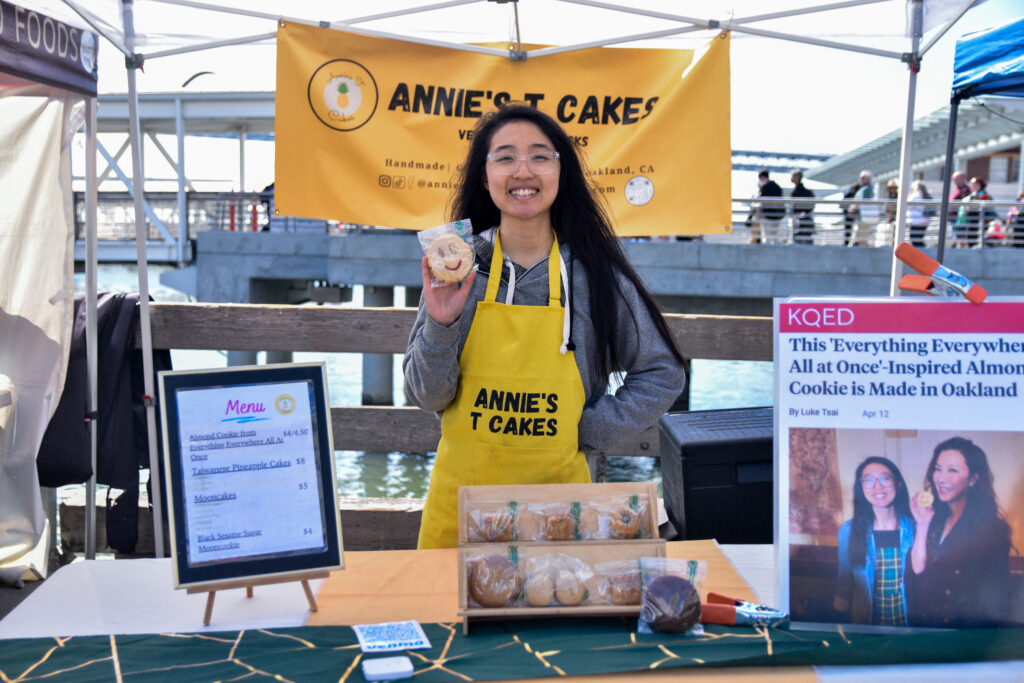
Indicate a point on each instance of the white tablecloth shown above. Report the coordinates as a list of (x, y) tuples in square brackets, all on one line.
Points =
[(92, 597)]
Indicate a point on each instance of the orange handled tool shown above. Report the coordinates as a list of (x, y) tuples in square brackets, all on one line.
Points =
[(935, 278), (721, 609)]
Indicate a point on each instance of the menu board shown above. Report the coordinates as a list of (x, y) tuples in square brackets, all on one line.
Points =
[(899, 474), (250, 467)]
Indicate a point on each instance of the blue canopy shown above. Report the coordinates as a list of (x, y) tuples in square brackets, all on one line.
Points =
[(990, 62)]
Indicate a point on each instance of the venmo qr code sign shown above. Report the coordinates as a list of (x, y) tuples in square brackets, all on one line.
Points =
[(391, 636)]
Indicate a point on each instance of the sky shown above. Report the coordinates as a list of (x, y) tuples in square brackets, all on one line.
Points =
[(786, 97)]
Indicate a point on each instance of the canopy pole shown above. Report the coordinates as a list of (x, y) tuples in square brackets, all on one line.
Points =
[(179, 132), (947, 171), (138, 181), (91, 335), (914, 65)]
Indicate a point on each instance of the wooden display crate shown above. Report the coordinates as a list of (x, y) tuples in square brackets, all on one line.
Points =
[(477, 497), (590, 552)]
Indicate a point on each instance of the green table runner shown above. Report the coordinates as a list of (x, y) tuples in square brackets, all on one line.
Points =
[(493, 650)]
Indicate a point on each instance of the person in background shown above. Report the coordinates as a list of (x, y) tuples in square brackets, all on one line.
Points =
[(517, 358), (1015, 221), (873, 547), (865, 215), (919, 214), (960, 190), (849, 217), (764, 218), (959, 566), (971, 218), (892, 192), (803, 212)]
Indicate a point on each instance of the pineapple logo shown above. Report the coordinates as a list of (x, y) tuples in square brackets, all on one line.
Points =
[(342, 94)]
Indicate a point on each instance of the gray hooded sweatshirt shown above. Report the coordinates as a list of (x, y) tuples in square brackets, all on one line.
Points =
[(653, 377)]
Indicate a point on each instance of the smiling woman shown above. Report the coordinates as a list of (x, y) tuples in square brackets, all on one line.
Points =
[(873, 547), (960, 557), (519, 326)]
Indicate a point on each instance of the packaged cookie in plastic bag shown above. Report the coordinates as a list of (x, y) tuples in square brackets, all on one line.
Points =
[(556, 521), (493, 578), (670, 595), (552, 579), (492, 521), (449, 251), (616, 517), (619, 582)]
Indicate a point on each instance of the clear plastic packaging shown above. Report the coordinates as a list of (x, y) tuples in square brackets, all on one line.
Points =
[(670, 595), (493, 579), (492, 522), (616, 517), (556, 579), (449, 251), (555, 521), (618, 582)]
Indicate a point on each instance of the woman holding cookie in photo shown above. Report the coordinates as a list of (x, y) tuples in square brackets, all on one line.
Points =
[(873, 547), (517, 357), (959, 574)]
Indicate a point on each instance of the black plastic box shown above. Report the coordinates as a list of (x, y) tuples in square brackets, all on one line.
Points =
[(716, 474)]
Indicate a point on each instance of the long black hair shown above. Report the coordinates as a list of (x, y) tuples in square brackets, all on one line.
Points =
[(863, 511), (981, 495), (579, 220)]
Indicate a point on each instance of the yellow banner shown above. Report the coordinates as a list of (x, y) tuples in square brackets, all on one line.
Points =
[(371, 131)]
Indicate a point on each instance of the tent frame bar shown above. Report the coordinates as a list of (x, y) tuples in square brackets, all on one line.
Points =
[(693, 24), (91, 333), (156, 499), (87, 18), (949, 24)]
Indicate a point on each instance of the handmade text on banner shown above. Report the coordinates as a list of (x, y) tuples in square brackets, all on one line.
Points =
[(372, 131)]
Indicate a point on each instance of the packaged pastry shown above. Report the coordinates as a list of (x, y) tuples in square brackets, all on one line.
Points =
[(449, 251), (616, 517), (555, 521), (492, 522), (552, 579), (619, 582), (493, 579), (670, 595)]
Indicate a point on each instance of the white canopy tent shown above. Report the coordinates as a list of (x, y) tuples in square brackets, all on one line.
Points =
[(238, 35), (45, 94)]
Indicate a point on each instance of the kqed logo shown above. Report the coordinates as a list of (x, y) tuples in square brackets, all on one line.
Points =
[(342, 94)]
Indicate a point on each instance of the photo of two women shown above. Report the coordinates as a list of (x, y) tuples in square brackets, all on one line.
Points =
[(906, 528)]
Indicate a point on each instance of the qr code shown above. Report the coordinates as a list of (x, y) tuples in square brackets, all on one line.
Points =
[(391, 636)]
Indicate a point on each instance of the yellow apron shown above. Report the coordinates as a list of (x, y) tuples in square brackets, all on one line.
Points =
[(516, 413)]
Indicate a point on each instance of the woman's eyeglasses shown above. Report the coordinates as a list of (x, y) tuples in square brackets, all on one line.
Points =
[(540, 163), (884, 480)]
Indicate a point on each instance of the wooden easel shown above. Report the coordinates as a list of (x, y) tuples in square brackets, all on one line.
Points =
[(249, 584)]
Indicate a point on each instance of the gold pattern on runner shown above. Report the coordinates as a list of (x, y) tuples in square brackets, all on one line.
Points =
[(113, 656), (763, 631), (351, 668), (671, 656), (443, 659)]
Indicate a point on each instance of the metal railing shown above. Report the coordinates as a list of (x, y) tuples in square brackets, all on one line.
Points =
[(761, 220), (230, 211), (980, 224)]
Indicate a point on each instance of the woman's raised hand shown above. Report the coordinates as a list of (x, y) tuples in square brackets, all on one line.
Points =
[(444, 303)]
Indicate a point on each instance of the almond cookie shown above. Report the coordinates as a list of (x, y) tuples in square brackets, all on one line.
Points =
[(925, 499), (449, 258)]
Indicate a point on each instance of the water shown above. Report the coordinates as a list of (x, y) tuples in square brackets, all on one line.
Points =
[(714, 385)]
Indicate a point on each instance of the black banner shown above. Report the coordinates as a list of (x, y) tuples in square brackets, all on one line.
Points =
[(39, 48)]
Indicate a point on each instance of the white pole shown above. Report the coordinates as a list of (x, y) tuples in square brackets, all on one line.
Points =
[(91, 336), (179, 130), (908, 140), (140, 251), (241, 159)]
